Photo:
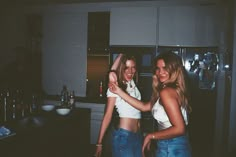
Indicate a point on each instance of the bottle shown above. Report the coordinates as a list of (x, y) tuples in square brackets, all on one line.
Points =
[(26, 104), (72, 98), (87, 87), (33, 106), (19, 104), (100, 89), (7, 106), (64, 96), (1, 107), (13, 106)]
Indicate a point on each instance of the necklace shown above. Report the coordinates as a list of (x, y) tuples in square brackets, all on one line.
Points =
[(128, 84)]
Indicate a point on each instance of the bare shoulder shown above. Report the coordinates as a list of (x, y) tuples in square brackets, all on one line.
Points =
[(168, 92), (168, 96)]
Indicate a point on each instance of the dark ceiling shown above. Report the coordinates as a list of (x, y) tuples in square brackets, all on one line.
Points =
[(41, 2)]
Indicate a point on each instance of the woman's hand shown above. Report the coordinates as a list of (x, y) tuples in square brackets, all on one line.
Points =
[(146, 143), (114, 88), (98, 152)]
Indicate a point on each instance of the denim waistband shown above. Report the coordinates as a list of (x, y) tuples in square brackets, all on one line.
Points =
[(180, 139), (127, 131)]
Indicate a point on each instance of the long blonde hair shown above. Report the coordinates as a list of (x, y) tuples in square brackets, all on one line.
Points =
[(177, 79)]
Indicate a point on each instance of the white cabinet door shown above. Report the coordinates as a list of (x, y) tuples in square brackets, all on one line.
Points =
[(188, 26), (97, 112), (133, 26), (176, 25), (207, 26)]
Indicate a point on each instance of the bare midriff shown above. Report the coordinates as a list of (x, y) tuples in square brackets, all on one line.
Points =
[(130, 124)]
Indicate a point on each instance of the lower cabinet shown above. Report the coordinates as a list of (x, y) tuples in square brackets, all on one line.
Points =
[(97, 112)]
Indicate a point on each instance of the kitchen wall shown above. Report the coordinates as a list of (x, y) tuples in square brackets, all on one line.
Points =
[(64, 52)]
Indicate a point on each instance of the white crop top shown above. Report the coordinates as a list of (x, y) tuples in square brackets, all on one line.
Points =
[(123, 108), (160, 115)]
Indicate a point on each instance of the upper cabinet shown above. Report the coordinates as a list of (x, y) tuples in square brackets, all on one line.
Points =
[(98, 32), (133, 26), (188, 26)]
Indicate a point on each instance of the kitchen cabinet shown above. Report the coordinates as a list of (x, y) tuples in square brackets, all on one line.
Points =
[(98, 32), (133, 26), (97, 112), (188, 26), (97, 71)]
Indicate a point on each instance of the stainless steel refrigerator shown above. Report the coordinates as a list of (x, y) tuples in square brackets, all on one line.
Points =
[(201, 64)]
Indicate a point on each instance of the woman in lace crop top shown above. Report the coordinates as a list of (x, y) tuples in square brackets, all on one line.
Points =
[(123, 108), (127, 139), (169, 105)]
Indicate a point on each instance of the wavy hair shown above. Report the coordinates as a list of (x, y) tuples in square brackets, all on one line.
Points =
[(177, 79), (121, 70)]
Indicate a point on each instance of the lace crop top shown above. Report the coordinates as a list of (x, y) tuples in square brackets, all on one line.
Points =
[(160, 115), (123, 108)]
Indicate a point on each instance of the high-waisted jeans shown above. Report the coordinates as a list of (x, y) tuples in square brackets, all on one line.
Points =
[(126, 143), (174, 147)]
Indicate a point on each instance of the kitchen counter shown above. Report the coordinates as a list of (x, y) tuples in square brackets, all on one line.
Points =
[(48, 134), (97, 112)]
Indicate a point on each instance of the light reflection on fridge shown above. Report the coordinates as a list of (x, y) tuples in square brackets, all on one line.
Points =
[(201, 63)]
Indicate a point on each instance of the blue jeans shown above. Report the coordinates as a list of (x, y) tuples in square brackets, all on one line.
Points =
[(174, 147), (126, 143)]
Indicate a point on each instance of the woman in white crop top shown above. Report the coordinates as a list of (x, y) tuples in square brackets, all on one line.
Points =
[(127, 139), (169, 105)]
